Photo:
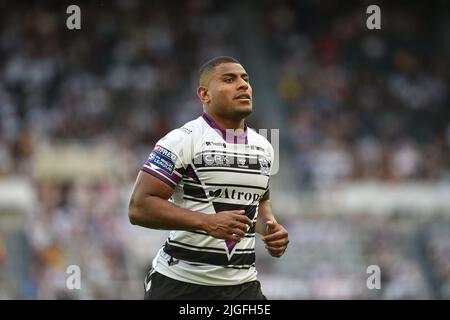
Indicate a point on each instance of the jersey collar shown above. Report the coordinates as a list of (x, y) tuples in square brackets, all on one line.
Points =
[(230, 138)]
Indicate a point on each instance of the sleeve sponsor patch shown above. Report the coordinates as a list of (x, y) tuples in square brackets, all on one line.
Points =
[(163, 159)]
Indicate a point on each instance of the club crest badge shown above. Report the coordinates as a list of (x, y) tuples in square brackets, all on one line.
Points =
[(264, 164)]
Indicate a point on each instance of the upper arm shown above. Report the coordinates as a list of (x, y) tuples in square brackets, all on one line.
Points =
[(266, 196), (147, 185), (164, 167)]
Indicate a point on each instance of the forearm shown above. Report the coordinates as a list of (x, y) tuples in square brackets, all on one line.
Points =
[(157, 213), (275, 236), (265, 213)]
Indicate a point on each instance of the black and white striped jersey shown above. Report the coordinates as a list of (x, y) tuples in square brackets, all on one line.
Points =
[(211, 171)]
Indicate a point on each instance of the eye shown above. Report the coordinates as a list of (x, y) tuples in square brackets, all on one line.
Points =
[(228, 80)]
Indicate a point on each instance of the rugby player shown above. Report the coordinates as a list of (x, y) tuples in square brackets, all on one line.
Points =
[(208, 182)]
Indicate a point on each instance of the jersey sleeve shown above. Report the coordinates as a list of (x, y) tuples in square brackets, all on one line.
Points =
[(167, 161), (272, 166)]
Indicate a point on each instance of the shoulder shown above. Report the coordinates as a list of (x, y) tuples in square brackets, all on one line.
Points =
[(261, 139), (183, 133), (181, 141)]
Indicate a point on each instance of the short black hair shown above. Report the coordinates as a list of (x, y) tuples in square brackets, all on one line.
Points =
[(211, 64)]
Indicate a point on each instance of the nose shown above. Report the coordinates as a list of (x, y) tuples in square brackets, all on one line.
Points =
[(243, 85)]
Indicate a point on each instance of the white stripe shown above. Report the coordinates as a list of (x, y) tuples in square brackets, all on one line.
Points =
[(224, 153), (194, 239), (244, 251), (177, 173), (240, 265)]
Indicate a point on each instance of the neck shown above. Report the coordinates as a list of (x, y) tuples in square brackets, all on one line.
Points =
[(227, 123)]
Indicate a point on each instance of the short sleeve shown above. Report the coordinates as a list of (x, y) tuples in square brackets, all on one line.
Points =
[(272, 165), (167, 161)]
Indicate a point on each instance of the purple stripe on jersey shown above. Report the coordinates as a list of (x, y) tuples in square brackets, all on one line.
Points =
[(174, 177), (191, 173), (156, 175), (230, 245), (230, 139)]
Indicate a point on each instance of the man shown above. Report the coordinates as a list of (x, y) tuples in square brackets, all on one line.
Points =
[(215, 170)]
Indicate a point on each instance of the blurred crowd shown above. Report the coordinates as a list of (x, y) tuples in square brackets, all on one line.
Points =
[(359, 104), (125, 79), (332, 255), (363, 104), (437, 249), (128, 76)]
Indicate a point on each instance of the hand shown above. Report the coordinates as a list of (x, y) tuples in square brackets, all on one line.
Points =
[(228, 225), (276, 239)]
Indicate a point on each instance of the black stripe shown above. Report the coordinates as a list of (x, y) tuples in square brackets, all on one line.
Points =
[(234, 185), (217, 259), (196, 200), (247, 235), (193, 191), (232, 164), (190, 173), (197, 247), (216, 160), (228, 267)]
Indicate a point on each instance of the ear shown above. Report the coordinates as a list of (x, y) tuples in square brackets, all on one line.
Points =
[(203, 94)]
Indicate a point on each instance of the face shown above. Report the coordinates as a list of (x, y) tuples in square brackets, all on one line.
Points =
[(227, 92)]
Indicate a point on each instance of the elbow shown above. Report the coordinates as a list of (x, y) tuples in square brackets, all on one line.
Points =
[(133, 217), (141, 213), (133, 213)]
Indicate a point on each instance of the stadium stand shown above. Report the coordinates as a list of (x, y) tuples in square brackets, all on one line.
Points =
[(359, 113)]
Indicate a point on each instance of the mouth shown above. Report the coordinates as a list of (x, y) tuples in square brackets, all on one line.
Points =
[(243, 97)]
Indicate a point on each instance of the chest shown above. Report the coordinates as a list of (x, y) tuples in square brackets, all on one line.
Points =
[(220, 164)]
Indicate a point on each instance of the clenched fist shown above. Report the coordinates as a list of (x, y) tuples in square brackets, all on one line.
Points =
[(228, 225), (276, 239)]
